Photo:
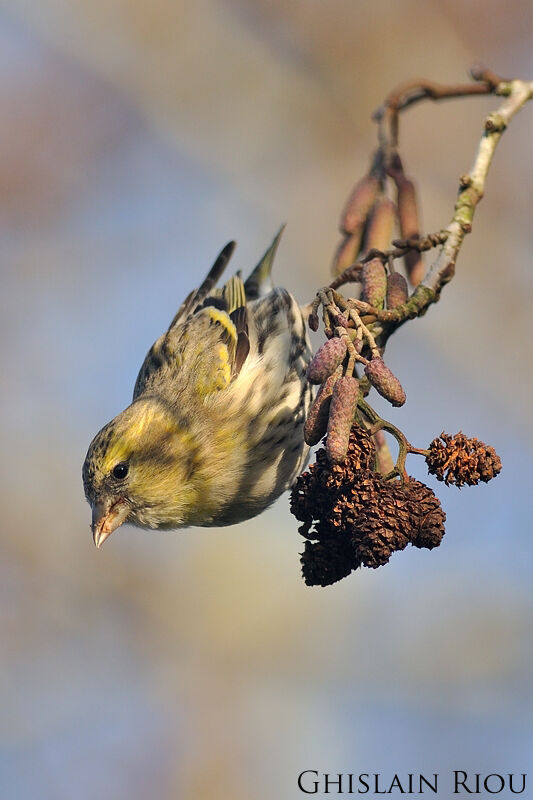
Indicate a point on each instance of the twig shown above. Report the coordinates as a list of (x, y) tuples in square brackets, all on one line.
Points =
[(401, 247), (471, 189), (413, 91), (472, 185)]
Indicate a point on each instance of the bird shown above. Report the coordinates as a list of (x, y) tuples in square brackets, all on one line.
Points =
[(214, 433)]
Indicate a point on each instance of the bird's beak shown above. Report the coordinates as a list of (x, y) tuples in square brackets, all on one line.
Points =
[(107, 518)]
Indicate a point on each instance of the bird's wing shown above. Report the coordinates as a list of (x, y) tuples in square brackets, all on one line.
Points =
[(197, 296), (206, 351), (207, 342)]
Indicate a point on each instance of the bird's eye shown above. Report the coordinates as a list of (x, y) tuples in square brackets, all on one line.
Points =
[(120, 471)]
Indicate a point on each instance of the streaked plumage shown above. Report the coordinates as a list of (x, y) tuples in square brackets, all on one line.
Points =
[(215, 430)]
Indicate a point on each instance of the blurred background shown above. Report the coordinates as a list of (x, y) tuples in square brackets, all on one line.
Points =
[(138, 137)]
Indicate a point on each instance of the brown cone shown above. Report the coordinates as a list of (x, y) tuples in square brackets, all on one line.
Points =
[(458, 460), (383, 524), (327, 561), (355, 517), (427, 516)]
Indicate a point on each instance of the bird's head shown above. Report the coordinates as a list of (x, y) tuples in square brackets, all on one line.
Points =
[(138, 469)]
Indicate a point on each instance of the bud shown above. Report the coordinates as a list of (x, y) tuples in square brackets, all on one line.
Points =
[(313, 321), (347, 252), (359, 204), (316, 423), (341, 413), (409, 227), (326, 360), (397, 291), (385, 382), (374, 280), (381, 226)]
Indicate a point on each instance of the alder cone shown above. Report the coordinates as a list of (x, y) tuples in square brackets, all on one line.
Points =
[(461, 460), (327, 561), (383, 524), (427, 516), (489, 464), (313, 492), (351, 516), (361, 451)]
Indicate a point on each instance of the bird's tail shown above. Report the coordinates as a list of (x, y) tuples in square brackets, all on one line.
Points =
[(259, 283), (197, 296)]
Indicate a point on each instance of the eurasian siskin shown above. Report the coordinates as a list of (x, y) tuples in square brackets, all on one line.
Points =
[(215, 430)]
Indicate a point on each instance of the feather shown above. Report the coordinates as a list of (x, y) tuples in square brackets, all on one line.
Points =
[(208, 341), (239, 317), (233, 292), (259, 283), (197, 296)]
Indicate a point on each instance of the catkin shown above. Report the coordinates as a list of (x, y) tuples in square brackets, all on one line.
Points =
[(326, 360), (316, 423), (409, 227), (347, 251), (381, 225), (374, 280), (341, 413), (359, 204), (385, 382), (397, 290)]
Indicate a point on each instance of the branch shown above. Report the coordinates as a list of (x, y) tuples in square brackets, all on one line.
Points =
[(472, 185), (412, 92), (357, 506), (471, 189)]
